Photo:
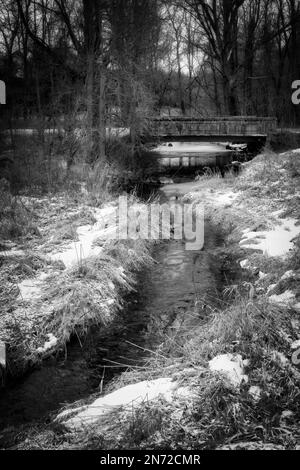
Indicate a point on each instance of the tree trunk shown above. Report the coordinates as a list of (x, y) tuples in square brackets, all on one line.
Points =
[(102, 117), (90, 106)]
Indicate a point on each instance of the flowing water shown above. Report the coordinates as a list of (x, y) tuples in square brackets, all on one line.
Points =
[(167, 294)]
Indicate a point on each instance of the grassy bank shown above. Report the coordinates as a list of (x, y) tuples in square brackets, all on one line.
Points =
[(59, 274)]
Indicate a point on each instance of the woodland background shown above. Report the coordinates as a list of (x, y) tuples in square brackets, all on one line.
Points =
[(98, 64)]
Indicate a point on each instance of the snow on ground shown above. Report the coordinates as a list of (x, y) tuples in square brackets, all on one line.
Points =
[(30, 289), (271, 287), (280, 358), (85, 247), (295, 345), (231, 366), (73, 253), (297, 307), (262, 275), (255, 392), (285, 299), (51, 343), (225, 199), (244, 263), (288, 275), (78, 251), (277, 242), (128, 397), (216, 198)]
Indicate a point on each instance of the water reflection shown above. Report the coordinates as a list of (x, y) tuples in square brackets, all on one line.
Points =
[(192, 147), (192, 154)]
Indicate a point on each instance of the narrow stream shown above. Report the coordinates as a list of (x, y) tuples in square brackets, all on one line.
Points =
[(167, 294)]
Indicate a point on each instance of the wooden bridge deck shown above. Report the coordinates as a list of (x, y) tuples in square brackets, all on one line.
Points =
[(209, 129)]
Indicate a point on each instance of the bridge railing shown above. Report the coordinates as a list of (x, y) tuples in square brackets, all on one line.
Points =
[(238, 126)]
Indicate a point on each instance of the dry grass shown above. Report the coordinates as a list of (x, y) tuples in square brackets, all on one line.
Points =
[(15, 219), (72, 302), (93, 291)]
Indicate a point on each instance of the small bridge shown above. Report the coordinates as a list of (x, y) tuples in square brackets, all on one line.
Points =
[(217, 129)]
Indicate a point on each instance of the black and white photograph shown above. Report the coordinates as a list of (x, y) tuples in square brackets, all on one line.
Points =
[(149, 230)]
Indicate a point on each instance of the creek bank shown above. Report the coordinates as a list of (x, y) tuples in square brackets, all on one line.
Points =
[(64, 280)]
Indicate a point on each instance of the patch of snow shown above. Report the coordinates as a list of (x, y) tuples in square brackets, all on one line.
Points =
[(284, 299), (278, 213), (288, 275), (30, 289), (85, 247), (52, 341), (244, 264), (279, 357), (225, 199), (126, 397), (297, 307), (262, 276), (271, 288), (296, 151), (277, 242), (43, 276), (255, 392), (295, 345), (231, 366)]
